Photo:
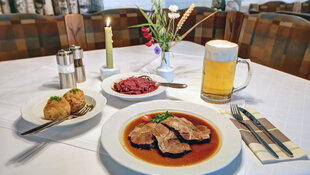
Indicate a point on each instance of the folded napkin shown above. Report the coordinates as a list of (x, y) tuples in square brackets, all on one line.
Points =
[(258, 149)]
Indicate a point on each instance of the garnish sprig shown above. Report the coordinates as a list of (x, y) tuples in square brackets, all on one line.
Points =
[(161, 117), (54, 98), (74, 90)]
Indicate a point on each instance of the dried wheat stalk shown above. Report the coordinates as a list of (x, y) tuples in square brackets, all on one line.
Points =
[(184, 17), (189, 30)]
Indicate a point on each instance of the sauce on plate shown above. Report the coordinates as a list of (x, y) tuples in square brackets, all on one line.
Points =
[(199, 153)]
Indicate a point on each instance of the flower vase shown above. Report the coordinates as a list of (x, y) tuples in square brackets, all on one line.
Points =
[(165, 70)]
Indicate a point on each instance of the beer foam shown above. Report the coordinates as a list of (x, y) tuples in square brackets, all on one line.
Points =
[(221, 51)]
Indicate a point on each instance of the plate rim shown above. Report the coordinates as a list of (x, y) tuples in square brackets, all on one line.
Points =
[(100, 100), (106, 85), (142, 170)]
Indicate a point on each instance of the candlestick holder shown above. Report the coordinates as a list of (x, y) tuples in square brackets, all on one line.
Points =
[(106, 72)]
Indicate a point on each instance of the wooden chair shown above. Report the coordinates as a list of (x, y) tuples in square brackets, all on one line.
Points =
[(278, 41), (121, 20), (305, 7), (224, 25), (272, 6), (275, 6), (31, 35), (76, 30)]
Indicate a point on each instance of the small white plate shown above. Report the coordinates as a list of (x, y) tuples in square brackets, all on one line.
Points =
[(230, 138), (108, 83), (32, 111)]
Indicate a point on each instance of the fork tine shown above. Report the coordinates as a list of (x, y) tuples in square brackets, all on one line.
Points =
[(78, 113), (83, 110), (235, 109), (86, 109), (231, 109), (238, 110)]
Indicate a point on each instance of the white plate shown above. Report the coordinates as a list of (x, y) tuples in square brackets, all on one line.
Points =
[(107, 85), (229, 136), (32, 111)]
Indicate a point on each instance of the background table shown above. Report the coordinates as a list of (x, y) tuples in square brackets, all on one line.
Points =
[(284, 99)]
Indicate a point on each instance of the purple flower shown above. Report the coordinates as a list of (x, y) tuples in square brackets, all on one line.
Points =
[(157, 50), (148, 13)]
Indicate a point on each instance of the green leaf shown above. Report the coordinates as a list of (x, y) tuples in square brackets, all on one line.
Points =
[(162, 31), (149, 21), (161, 117), (139, 25)]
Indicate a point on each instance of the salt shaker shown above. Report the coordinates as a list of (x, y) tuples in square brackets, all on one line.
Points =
[(78, 63), (66, 69)]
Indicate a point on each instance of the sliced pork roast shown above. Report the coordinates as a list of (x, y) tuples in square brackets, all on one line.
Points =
[(186, 130), (168, 143), (142, 135)]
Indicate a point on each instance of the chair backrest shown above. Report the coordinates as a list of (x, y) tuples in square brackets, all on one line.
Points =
[(212, 28), (223, 25), (31, 35), (76, 30), (305, 7), (272, 6), (278, 41), (121, 20)]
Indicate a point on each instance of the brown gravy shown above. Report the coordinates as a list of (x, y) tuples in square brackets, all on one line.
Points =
[(200, 152)]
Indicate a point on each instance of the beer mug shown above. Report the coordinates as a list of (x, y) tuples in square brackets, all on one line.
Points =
[(221, 58)]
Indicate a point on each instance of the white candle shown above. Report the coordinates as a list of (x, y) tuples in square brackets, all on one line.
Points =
[(108, 45)]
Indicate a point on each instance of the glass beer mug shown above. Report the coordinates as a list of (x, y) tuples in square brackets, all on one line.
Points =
[(221, 58)]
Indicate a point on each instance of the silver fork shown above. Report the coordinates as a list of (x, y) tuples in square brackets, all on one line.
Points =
[(59, 120), (236, 114)]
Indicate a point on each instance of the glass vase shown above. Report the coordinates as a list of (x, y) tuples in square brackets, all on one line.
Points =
[(165, 70)]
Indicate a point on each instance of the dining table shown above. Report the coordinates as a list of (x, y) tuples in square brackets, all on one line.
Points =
[(76, 149)]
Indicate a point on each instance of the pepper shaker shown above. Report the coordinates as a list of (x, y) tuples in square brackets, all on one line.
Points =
[(66, 69), (78, 63)]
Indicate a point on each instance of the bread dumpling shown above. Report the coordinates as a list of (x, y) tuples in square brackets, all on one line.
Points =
[(76, 99), (56, 107)]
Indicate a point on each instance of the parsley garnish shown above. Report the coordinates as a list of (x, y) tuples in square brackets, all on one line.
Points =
[(54, 98), (161, 117), (74, 90)]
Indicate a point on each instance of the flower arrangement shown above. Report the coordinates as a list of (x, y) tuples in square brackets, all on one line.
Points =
[(160, 27)]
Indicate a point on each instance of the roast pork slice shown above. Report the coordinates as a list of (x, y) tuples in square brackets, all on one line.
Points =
[(186, 130), (168, 143), (141, 136)]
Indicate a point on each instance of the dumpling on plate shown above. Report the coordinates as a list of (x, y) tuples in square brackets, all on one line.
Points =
[(76, 99), (56, 107)]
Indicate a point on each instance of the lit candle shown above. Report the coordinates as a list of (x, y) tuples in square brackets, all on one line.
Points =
[(108, 45)]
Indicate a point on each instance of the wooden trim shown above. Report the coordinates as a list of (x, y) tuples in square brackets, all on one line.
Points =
[(233, 25), (76, 30)]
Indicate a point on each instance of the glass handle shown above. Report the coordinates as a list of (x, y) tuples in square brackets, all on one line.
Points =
[(247, 81)]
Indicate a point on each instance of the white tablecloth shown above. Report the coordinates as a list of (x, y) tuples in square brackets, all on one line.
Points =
[(284, 99)]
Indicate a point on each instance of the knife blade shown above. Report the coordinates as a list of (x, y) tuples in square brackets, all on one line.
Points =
[(257, 123)]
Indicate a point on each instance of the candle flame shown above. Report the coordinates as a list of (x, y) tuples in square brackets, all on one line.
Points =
[(108, 22)]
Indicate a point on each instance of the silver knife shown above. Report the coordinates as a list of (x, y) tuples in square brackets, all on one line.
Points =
[(257, 123)]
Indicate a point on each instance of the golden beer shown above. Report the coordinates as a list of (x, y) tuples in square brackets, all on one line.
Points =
[(218, 79), (219, 71)]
